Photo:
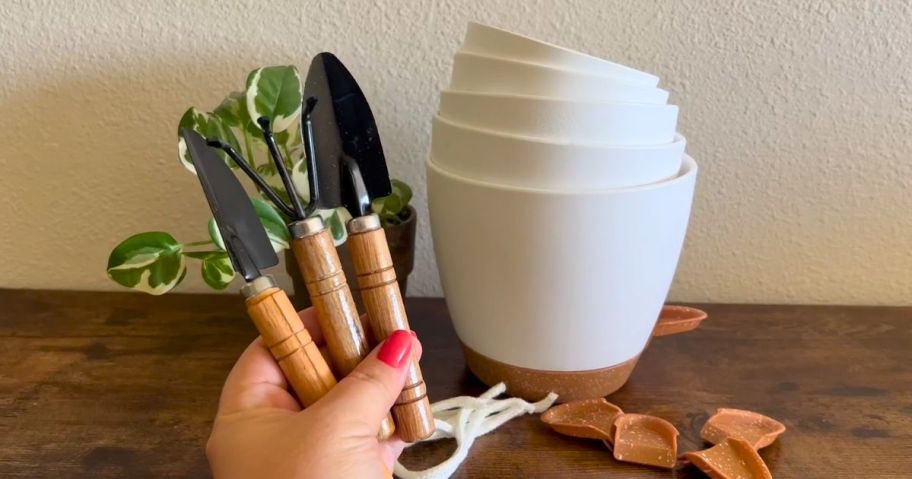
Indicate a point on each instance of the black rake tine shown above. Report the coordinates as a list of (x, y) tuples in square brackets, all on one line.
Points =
[(280, 166), (253, 175), (307, 132)]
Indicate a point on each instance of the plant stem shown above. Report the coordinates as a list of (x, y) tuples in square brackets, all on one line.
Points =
[(199, 243), (249, 148), (288, 160)]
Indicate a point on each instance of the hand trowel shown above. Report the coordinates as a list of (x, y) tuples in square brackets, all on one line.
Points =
[(351, 141), (250, 251)]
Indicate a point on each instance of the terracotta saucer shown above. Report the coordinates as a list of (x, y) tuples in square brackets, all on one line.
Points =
[(677, 319), (587, 418), (643, 439), (758, 430), (732, 459)]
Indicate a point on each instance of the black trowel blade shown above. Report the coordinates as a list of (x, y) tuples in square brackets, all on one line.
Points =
[(245, 239)]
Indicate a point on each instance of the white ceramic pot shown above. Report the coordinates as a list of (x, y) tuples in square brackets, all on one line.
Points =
[(526, 162), (495, 42), (557, 281), (478, 73), (562, 121)]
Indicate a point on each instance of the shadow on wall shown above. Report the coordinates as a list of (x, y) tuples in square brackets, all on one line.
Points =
[(91, 158)]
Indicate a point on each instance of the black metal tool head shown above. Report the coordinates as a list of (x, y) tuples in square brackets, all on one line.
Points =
[(245, 239), (323, 143), (355, 196), (355, 134)]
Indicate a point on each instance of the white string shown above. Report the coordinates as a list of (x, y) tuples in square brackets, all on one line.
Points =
[(466, 418)]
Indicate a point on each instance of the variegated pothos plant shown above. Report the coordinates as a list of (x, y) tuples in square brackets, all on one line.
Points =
[(155, 262)]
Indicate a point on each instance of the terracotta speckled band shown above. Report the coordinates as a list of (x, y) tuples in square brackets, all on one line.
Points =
[(533, 384)]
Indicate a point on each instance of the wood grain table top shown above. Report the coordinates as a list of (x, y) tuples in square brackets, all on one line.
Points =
[(124, 385)]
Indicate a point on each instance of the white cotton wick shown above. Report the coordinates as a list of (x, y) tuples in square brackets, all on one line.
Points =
[(465, 418)]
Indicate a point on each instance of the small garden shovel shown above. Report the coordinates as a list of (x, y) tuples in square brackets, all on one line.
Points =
[(348, 139), (250, 251)]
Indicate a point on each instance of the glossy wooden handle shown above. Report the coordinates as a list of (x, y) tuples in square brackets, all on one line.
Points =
[(329, 293), (290, 344), (386, 313), (332, 299)]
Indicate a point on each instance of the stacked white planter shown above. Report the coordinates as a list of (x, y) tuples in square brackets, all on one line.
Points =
[(559, 197)]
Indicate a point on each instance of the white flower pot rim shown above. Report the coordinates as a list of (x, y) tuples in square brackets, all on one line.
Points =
[(534, 139), (553, 68), (688, 169), (624, 68), (551, 99)]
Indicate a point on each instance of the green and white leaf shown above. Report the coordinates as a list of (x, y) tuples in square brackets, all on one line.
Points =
[(209, 126), (275, 225), (299, 178), (149, 262), (291, 141), (335, 220), (216, 270), (233, 112), (188, 120), (272, 222), (388, 208), (275, 92), (215, 235), (269, 173)]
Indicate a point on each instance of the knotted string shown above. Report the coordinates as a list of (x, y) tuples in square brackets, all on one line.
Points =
[(466, 418)]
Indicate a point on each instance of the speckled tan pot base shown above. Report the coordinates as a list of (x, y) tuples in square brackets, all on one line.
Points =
[(534, 384)]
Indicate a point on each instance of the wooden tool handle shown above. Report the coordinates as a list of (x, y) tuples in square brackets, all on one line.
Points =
[(331, 297), (386, 313), (329, 293), (290, 344)]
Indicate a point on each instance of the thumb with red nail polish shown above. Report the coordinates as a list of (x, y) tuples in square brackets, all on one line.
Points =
[(396, 350), (371, 389)]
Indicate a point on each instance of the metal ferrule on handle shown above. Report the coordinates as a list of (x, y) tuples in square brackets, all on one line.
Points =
[(288, 340), (386, 314), (331, 297)]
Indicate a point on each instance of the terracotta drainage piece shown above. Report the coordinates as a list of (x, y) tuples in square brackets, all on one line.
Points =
[(677, 319), (758, 430), (643, 439), (587, 418), (732, 459)]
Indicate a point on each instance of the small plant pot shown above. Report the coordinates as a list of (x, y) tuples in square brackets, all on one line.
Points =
[(401, 240)]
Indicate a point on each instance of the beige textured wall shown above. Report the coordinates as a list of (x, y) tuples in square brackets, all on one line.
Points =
[(799, 113)]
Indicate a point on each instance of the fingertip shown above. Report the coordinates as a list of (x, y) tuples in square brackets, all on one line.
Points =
[(417, 348), (390, 450), (368, 392), (396, 351)]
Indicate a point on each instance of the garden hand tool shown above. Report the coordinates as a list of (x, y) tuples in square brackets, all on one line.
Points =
[(250, 251), (350, 139)]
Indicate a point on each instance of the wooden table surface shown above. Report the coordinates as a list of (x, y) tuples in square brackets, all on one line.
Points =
[(124, 385)]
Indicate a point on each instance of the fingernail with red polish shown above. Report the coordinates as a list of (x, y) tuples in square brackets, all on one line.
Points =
[(395, 350), (414, 333)]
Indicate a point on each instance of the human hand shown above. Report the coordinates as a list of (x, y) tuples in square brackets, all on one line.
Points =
[(260, 429)]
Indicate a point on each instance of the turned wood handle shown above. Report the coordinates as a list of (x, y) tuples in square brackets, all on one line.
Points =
[(290, 344), (386, 313), (332, 300)]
